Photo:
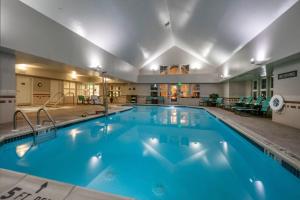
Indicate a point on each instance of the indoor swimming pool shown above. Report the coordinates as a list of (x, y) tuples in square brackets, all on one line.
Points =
[(156, 152)]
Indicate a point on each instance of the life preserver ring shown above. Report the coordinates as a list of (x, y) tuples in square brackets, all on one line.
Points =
[(276, 103)]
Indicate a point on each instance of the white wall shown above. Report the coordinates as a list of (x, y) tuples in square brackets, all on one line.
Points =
[(279, 40), (24, 29), (237, 89), (290, 90), (190, 78), (207, 89)]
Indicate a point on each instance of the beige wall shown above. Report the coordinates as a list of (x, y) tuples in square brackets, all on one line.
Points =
[(290, 90)]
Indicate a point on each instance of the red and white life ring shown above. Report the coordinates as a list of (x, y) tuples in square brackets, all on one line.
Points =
[(276, 103)]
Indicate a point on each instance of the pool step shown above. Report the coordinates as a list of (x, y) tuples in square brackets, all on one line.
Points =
[(45, 135)]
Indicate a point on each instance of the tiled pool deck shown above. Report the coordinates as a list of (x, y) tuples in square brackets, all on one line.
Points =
[(21, 186), (281, 141), (284, 136)]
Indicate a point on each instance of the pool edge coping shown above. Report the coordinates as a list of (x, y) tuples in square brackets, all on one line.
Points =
[(18, 177)]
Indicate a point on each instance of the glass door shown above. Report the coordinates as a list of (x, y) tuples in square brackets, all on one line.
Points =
[(174, 93)]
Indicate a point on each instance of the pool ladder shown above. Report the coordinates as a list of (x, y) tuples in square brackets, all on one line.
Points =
[(45, 132), (35, 131)]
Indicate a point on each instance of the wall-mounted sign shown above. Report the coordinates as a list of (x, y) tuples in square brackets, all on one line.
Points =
[(287, 75)]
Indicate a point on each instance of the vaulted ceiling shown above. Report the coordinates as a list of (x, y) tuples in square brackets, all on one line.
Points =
[(140, 31)]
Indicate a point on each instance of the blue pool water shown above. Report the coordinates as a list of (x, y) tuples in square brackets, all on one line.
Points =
[(153, 152)]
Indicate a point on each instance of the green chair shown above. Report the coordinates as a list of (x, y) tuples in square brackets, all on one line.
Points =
[(240, 102), (252, 107), (148, 100), (220, 102), (246, 104), (265, 106)]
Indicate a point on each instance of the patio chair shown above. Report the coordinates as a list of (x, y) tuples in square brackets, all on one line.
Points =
[(220, 102), (255, 107)]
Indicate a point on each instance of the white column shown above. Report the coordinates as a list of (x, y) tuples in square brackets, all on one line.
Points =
[(7, 87)]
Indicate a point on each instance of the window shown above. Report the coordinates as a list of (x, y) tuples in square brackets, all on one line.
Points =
[(69, 88), (88, 89), (255, 89), (174, 70), (254, 85), (185, 69), (195, 90), (264, 83), (254, 94), (163, 90), (163, 70), (185, 90), (264, 93)]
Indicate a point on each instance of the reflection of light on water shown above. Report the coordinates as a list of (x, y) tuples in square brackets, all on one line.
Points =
[(153, 140), (22, 149), (152, 151), (158, 190), (224, 145), (95, 160), (259, 187), (195, 145), (173, 119), (109, 128), (74, 133)]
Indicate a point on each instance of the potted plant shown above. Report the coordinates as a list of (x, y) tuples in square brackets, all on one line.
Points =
[(212, 99)]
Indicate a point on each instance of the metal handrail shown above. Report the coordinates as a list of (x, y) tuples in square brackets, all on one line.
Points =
[(54, 96), (38, 117), (73, 95), (26, 119)]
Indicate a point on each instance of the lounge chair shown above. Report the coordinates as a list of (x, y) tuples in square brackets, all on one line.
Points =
[(95, 100), (265, 106), (261, 106), (220, 102), (231, 105), (255, 107), (247, 103)]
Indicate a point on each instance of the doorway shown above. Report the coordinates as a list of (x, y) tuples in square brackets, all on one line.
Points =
[(24, 90), (174, 93)]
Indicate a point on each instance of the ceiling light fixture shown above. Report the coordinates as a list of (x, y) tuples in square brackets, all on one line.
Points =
[(154, 68), (74, 75), (22, 67), (259, 62)]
